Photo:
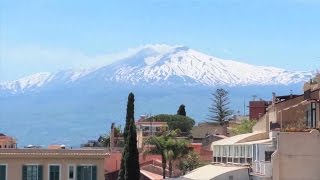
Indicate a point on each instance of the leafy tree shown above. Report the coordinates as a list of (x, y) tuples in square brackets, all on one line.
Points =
[(244, 127), (182, 110), (219, 109), (183, 123), (104, 140), (129, 168), (190, 162)]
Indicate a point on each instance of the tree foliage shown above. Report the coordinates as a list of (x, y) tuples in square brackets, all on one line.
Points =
[(168, 147), (182, 110), (104, 140), (130, 155), (183, 123), (219, 109), (131, 159), (244, 127), (190, 162)]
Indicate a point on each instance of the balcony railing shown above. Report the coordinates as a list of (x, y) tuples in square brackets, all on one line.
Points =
[(262, 168)]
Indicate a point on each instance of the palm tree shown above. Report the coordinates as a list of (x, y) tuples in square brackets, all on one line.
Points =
[(169, 148), (175, 150), (158, 146)]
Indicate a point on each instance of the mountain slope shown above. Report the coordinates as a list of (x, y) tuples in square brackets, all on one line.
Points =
[(163, 65), (72, 106)]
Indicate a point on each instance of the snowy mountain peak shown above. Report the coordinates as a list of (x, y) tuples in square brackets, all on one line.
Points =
[(164, 65), (28, 82)]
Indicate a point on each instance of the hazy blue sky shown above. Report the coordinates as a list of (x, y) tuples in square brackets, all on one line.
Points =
[(47, 35)]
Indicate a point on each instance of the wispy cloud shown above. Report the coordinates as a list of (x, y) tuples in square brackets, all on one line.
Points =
[(227, 51), (16, 62), (307, 1)]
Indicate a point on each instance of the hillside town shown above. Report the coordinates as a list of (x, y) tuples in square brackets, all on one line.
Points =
[(278, 140)]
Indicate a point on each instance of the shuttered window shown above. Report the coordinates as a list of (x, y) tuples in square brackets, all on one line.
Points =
[(54, 172), (86, 172), (3, 172), (32, 172)]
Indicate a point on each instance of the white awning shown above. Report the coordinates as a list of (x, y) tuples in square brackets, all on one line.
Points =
[(234, 139)]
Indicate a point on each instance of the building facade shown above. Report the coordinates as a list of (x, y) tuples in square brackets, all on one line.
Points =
[(297, 156), (297, 111), (52, 164), (257, 109)]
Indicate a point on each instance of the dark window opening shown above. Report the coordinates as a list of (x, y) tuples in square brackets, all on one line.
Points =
[(268, 155)]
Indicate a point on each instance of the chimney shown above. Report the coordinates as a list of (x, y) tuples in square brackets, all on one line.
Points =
[(273, 97)]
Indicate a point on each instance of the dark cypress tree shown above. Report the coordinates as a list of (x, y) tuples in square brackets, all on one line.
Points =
[(125, 153), (182, 110), (132, 155)]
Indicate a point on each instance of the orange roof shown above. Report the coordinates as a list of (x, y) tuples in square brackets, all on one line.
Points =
[(113, 161)]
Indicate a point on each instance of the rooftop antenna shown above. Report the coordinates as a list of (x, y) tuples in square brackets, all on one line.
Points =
[(254, 97), (244, 106)]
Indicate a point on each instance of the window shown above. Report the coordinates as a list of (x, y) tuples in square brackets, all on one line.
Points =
[(87, 172), (230, 177), (242, 151), (32, 172), (145, 128), (3, 172), (249, 151), (216, 151), (236, 154), (254, 152), (224, 151), (54, 172), (228, 151), (268, 155), (232, 151), (71, 172), (311, 115)]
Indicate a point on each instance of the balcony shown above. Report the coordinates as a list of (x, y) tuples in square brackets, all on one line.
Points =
[(262, 168)]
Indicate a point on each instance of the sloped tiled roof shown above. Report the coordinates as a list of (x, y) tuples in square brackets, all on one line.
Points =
[(202, 131)]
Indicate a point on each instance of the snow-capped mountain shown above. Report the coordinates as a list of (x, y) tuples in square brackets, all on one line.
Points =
[(72, 106), (163, 65)]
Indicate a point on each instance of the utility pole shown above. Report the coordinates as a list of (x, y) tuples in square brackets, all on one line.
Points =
[(244, 107)]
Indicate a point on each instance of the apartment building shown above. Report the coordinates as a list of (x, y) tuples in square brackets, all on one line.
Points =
[(297, 111), (52, 164)]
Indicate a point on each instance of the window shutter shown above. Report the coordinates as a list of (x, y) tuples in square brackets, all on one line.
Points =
[(40, 173), (24, 172), (2, 172), (79, 172), (94, 172)]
